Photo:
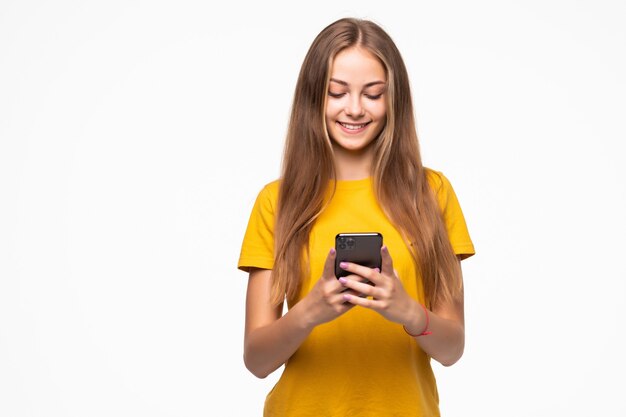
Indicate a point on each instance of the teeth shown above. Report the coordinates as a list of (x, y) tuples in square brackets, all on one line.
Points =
[(352, 127)]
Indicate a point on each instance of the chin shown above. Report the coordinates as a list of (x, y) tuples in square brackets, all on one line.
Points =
[(350, 145)]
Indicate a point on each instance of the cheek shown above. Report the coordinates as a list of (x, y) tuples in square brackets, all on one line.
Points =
[(330, 120), (379, 110), (332, 109)]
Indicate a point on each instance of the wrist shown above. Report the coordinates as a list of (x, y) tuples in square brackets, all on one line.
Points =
[(305, 317), (420, 323), (415, 320)]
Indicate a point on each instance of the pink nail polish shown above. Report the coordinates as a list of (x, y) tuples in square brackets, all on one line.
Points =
[(343, 265), (343, 280)]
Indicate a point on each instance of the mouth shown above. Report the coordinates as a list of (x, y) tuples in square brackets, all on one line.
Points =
[(353, 127)]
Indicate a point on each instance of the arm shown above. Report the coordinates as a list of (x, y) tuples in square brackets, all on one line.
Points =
[(447, 324), (388, 297), (271, 338)]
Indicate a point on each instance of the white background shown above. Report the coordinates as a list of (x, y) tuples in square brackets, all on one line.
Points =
[(135, 135)]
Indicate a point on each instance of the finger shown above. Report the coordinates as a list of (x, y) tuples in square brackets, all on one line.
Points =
[(340, 302), (350, 291), (329, 265), (358, 286), (368, 274), (387, 262), (361, 301), (345, 289)]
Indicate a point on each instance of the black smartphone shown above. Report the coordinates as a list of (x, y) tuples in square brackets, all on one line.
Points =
[(358, 248)]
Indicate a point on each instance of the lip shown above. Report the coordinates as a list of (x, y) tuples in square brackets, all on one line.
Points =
[(352, 131)]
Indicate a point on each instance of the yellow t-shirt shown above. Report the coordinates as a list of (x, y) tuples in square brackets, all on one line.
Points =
[(359, 364)]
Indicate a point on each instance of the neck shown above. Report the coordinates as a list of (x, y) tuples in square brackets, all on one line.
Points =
[(353, 165)]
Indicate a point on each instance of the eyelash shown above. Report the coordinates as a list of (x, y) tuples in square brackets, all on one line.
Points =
[(339, 95)]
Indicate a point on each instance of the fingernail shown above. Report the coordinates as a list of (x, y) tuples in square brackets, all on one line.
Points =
[(376, 269), (343, 280), (332, 251), (346, 297), (384, 248), (343, 265)]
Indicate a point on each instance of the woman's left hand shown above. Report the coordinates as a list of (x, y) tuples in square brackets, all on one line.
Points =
[(387, 296)]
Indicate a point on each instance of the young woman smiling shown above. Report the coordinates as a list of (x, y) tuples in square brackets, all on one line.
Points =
[(352, 164)]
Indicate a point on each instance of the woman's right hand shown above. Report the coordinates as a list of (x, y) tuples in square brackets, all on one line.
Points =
[(325, 301)]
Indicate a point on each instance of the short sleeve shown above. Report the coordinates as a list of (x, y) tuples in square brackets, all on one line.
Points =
[(452, 214), (257, 249)]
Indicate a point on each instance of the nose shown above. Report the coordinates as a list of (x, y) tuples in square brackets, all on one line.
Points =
[(354, 107)]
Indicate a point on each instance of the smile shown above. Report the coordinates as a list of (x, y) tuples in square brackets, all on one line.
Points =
[(353, 127)]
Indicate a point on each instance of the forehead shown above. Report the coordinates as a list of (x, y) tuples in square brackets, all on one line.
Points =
[(357, 66)]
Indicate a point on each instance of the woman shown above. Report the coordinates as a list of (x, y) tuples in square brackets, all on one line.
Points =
[(352, 164)]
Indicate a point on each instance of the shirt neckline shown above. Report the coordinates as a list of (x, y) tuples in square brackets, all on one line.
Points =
[(353, 184)]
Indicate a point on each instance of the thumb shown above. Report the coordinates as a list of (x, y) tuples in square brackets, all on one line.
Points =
[(387, 263), (329, 265)]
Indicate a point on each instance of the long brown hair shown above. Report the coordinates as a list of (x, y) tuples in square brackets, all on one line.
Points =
[(400, 182)]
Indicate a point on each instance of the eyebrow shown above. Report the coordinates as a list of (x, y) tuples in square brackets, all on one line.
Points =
[(366, 85)]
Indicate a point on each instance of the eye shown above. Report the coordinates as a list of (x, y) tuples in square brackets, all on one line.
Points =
[(374, 97), (336, 95)]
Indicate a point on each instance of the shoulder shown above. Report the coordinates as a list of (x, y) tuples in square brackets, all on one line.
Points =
[(271, 188), (268, 196), (442, 188), (437, 181), (452, 214)]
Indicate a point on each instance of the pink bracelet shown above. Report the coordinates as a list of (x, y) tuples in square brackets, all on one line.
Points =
[(426, 332)]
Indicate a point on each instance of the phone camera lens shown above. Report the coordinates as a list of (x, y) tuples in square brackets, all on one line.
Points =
[(342, 246), (350, 242)]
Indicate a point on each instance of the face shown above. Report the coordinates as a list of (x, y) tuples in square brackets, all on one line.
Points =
[(355, 108)]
